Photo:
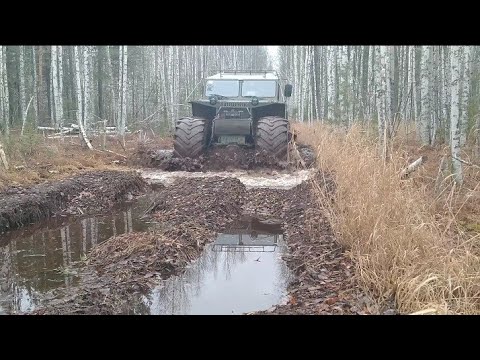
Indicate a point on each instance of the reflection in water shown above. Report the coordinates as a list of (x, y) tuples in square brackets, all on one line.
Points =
[(238, 273), (31, 257)]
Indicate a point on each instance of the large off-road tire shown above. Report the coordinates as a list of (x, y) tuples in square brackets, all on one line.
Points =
[(191, 137), (272, 136)]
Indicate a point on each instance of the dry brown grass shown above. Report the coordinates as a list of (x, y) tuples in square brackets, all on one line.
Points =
[(33, 158), (404, 247)]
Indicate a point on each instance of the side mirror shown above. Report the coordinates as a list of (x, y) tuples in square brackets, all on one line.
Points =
[(288, 90)]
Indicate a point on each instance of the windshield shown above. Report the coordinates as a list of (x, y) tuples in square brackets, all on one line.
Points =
[(222, 87), (259, 88)]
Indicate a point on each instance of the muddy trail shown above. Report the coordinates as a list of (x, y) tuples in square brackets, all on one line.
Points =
[(232, 232), (195, 225)]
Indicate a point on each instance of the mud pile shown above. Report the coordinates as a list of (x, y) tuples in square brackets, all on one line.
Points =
[(209, 202), (85, 193), (222, 158), (146, 155)]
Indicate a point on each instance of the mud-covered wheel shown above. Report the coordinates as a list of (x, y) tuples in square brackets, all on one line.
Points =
[(191, 137), (272, 136)]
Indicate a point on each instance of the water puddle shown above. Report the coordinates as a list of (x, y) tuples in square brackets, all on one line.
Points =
[(242, 271), (42, 257)]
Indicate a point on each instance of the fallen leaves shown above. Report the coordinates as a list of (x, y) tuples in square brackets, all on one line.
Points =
[(331, 301)]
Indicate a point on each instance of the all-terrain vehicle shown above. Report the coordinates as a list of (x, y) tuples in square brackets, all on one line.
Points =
[(245, 107)]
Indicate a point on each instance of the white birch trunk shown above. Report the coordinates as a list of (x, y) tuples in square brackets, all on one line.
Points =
[(331, 82), (441, 84), (425, 116), (381, 89), (78, 88), (4, 99), (80, 112), (389, 83), (54, 84), (411, 86), (455, 114), (87, 90), (22, 80), (432, 95), (447, 76), (59, 100), (464, 93), (35, 88), (122, 92), (302, 99)]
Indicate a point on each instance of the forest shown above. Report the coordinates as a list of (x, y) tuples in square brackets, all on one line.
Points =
[(378, 199)]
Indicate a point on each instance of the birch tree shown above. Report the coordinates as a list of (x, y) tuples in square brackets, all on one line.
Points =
[(455, 114), (56, 67), (4, 97), (80, 99), (122, 90), (464, 92), (381, 87), (21, 80)]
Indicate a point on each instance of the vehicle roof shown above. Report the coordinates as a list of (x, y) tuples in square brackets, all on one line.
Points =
[(244, 75)]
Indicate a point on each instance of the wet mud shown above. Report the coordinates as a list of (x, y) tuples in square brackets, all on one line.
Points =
[(86, 193), (223, 158)]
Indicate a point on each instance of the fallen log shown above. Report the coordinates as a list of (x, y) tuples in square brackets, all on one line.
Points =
[(84, 136), (412, 167), (111, 152)]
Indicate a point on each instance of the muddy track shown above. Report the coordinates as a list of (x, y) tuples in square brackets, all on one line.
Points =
[(189, 214), (86, 193)]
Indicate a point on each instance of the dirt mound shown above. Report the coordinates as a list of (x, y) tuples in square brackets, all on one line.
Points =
[(85, 193), (211, 202), (225, 158), (146, 155), (234, 157)]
